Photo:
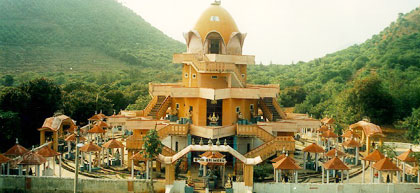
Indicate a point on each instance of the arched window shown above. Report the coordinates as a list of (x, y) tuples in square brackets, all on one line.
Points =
[(214, 43)]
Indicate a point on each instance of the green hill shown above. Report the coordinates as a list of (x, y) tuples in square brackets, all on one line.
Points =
[(79, 36), (322, 86)]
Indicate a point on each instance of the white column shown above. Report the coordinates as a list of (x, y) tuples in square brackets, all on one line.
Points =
[(37, 170), (342, 176), (68, 146), (20, 170), (304, 160), (53, 160), (147, 169), (204, 170), (107, 157), (90, 161), (280, 176), (296, 176), (316, 161), (275, 175), (363, 171), (371, 172), (379, 176), (328, 176), (418, 174), (323, 174), (348, 177), (8, 168), (357, 157), (403, 177), (398, 177), (132, 169)]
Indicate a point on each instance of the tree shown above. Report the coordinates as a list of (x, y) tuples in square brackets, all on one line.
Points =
[(412, 125), (8, 80), (152, 148)]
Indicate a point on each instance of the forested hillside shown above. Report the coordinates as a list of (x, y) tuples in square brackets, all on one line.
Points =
[(378, 79)]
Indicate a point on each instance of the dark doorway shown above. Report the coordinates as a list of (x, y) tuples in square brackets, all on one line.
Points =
[(214, 46), (216, 107)]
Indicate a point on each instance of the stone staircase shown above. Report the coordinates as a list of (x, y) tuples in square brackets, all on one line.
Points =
[(270, 148), (254, 130), (153, 112), (269, 104)]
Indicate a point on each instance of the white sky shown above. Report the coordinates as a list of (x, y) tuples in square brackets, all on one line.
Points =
[(283, 31)]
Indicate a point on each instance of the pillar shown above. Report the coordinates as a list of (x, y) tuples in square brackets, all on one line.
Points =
[(42, 137), (59, 171), (90, 161), (398, 177), (342, 176), (371, 172), (323, 174), (20, 170), (316, 161), (130, 154), (158, 166), (367, 144), (296, 176), (189, 156), (304, 160), (328, 176), (8, 168), (132, 170), (348, 176), (55, 140), (235, 147), (276, 179), (381, 141), (403, 177), (37, 170), (356, 161), (169, 174), (418, 174), (248, 175), (147, 169), (122, 156), (68, 146)]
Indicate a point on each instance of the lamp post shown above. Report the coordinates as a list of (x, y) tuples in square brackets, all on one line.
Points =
[(76, 173)]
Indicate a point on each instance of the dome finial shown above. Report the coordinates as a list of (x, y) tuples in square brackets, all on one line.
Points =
[(217, 2)]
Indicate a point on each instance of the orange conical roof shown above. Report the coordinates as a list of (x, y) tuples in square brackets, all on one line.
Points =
[(314, 148), (4, 159), (102, 124), (47, 152), (374, 156), (286, 163), (329, 134), (210, 154), (139, 156), (96, 129), (323, 128), (16, 150), (332, 152), (407, 156), (32, 158), (385, 164), (351, 143), (97, 117), (335, 164), (280, 157), (113, 143), (89, 147), (350, 134), (72, 137)]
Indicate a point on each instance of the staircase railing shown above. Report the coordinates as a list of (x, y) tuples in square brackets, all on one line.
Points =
[(266, 111), (270, 148), (166, 151), (279, 109), (163, 107), (133, 142), (173, 129), (254, 130), (150, 106)]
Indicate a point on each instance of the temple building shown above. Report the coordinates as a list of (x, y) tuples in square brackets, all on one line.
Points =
[(214, 101)]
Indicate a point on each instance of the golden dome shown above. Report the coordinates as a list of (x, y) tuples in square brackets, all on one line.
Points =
[(216, 18)]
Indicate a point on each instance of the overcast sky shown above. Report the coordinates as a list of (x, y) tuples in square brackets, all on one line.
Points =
[(283, 31)]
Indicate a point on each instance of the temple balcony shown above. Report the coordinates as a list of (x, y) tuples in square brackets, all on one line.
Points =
[(178, 91), (232, 59)]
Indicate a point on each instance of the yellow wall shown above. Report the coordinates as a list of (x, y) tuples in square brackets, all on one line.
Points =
[(206, 81), (186, 80), (199, 109), (229, 109)]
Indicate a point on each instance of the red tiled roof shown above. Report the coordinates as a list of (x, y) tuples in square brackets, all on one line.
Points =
[(4, 159), (351, 143), (89, 147), (210, 154), (16, 150), (139, 156), (96, 129), (32, 158), (327, 120), (407, 156), (102, 124), (72, 137), (369, 129), (329, 134), (331, 153), (374, 156), (385, 164), (54, 123), (350, 133), (278, 158), (286, 163), (97, 117), (335, 164), (113, 143), (313, 148), (323, 128), (46, 151)]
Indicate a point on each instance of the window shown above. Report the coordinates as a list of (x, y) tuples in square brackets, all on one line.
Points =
[(248, 147), (214, 18), (177, 105), (194, 76), (186, 75), (238, 109), (214, 46), (191, 108), (213, 77), (251, 107), (176, 146), (243, 75)]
